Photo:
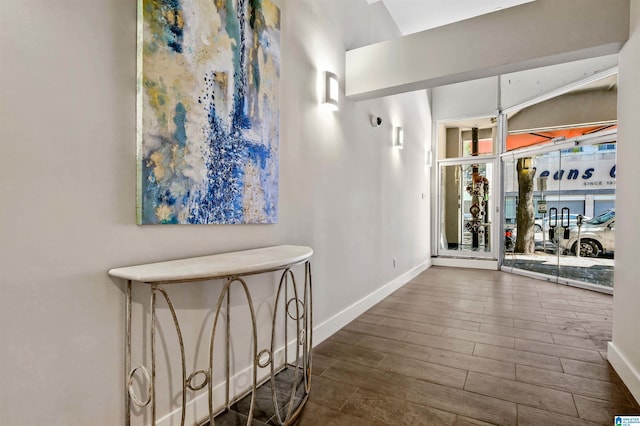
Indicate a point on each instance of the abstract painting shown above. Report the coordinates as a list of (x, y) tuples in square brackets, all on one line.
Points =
[(208, 116)]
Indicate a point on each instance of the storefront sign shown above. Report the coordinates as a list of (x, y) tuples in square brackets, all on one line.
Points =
[(574, 172), (584, 177)]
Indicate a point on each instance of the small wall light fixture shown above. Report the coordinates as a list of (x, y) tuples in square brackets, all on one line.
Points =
[(331, 90), (398, 137), (428, 159)]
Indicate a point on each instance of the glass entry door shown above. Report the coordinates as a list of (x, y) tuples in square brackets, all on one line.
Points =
[(530, 215), (559, 214), (466, 206)]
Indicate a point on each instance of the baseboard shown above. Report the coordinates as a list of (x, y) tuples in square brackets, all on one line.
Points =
[(454, 262), (344, 317), (627, 372), (198, 408)]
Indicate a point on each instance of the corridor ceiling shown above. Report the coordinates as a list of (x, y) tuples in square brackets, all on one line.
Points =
[(413, 16)]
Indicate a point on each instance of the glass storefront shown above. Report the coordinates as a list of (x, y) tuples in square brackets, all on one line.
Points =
[(533, 188), (572, 203)]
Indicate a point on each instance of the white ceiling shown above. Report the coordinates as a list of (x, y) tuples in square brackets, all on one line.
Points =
[(413, 16)]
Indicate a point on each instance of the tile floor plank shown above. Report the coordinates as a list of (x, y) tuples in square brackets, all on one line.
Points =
[(388, 346), (576, 342), (558, 350), (369, 378), (346, 336), (367, 329), (329, 393), (518, 357), (321, 363), (350, 353), (519, 314), (603, 412), (315, 414), (418, 327), (521, 393), (574, 308), (480, 337), (425, 318), (443, 308), (517, 332), (566, 382), (465, 403), (529, 416), (427, 371), (388, 410), (550, 328), (438, 342), (368, 318), (466, 421), (478, 364), (600, 371)]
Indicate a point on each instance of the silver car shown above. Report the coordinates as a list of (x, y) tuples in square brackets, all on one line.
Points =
[(597, 236)]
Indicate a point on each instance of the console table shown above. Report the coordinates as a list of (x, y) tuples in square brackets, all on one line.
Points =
[(291, 304)]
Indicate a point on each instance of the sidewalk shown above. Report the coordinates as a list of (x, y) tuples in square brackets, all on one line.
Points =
[(594, 270)]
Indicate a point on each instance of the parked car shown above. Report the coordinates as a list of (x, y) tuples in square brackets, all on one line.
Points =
[(597, 236), (543, 225)]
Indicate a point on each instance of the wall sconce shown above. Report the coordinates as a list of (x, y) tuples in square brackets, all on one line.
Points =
[(331, 90), (428, 159), (398, 137)]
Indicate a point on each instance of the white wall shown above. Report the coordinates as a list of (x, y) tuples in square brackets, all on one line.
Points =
[(67, 187), (624, 352), (469, 99)]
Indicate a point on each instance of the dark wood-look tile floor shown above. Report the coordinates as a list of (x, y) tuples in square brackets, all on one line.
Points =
[(469, 347)]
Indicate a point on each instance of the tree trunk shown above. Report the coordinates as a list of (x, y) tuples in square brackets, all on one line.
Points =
[(525, 216)]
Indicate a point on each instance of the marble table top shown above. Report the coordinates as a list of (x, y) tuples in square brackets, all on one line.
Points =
[(222, 265)]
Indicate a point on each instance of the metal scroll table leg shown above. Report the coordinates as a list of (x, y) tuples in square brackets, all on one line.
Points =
[(226, 294), (296, 310), (129, 392)]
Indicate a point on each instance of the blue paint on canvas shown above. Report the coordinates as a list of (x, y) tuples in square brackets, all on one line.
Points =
[(209, 147)]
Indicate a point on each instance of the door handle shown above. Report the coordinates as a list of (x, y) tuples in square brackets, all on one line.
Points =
[(553, 213), (565, 222)]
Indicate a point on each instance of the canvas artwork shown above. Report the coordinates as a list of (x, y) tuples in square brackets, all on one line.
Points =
[(208, 117)]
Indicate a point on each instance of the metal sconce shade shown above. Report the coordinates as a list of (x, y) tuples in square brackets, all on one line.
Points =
[(331, 90), (398, 137)]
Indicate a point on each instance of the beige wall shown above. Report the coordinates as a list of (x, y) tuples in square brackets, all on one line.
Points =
[(569, 110), (68, 186), (624, 353)]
